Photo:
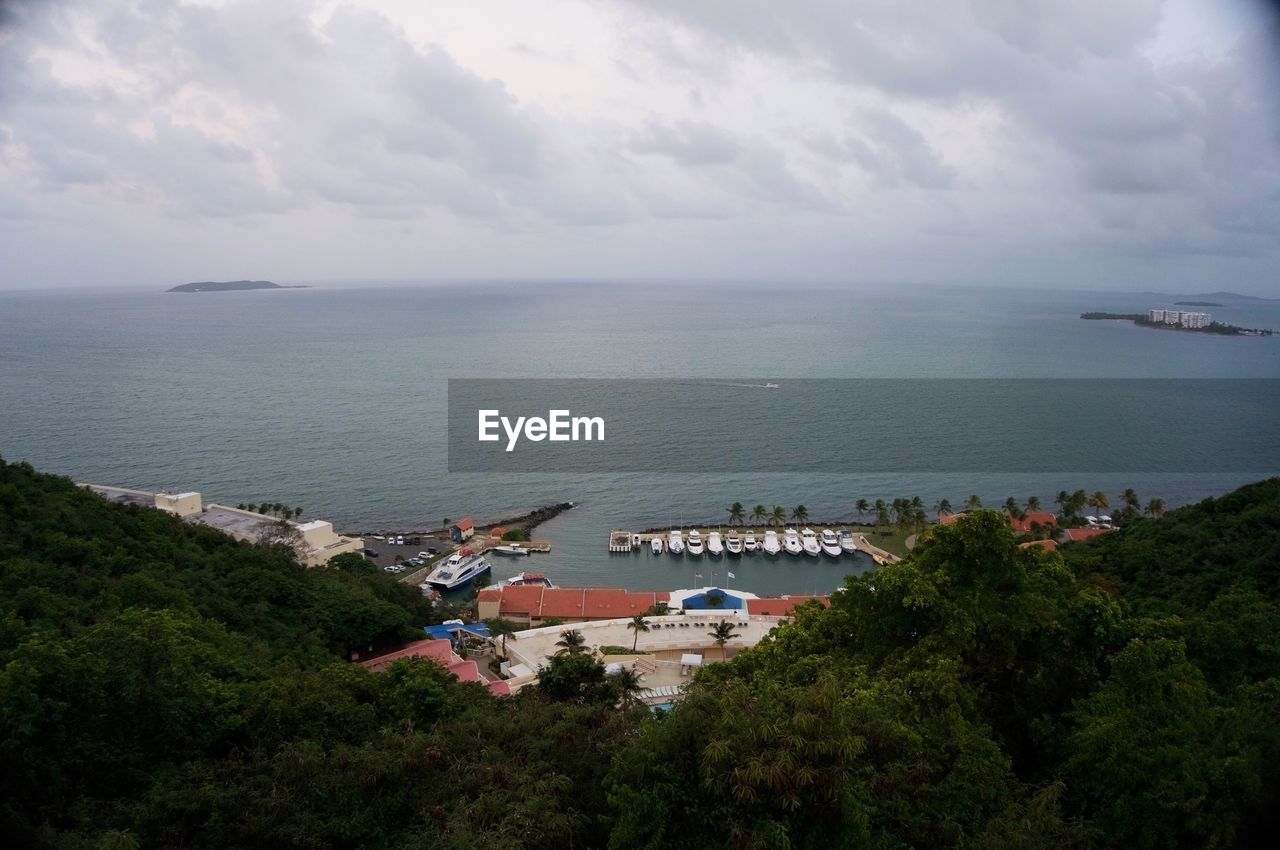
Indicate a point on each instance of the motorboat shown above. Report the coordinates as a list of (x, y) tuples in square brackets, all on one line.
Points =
[(527, 580), (846, 541), (733, 543), (771, 547), (715, 547), (458, 569), (809, 540), (791, 542), (511, 550), (695, 543), (675, 543), (830, 544), (749, 542), (655, 545)]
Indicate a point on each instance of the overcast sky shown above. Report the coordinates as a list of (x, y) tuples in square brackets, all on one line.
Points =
[(1119, 144)]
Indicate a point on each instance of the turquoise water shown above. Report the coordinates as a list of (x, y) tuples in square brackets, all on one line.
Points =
[(333, 398)]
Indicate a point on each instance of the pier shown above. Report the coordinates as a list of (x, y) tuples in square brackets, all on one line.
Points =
[(624, 542)]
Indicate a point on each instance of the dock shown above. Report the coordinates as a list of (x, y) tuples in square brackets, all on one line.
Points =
[(623, 541)]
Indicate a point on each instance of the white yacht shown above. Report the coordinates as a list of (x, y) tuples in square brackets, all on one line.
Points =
[(527, 580), (749, 542), (510, 549), (809, 541), (459, 569), (830, 544), (733, 543), (771, 546), (846, 541), (714, 547), (655, 545), (695, 543), (791, 542), (675, 543)]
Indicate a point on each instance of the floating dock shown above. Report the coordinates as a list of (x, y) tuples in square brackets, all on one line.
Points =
[(623, 541)]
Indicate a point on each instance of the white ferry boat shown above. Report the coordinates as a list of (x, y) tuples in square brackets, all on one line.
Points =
[(460, 568)]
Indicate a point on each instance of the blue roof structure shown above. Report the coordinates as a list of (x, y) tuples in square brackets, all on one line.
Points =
[(714, 599), (449, 631)]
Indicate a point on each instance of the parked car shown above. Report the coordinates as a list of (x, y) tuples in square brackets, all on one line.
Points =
[(399, 541), (371, 553), (413, 541)]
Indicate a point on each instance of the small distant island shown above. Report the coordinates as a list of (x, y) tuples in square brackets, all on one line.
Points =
[(1174, 320), (1196, 304), (229, 286)]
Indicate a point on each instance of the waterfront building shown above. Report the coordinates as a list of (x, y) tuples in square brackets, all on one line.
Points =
[(1156, 316), (462, 530)]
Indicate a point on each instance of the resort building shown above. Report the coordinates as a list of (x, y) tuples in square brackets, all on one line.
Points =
[(1180, 318), (314, 542), (462, 530), (441, 652)]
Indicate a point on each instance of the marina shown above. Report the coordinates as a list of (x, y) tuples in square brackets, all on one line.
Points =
[(832, 542)]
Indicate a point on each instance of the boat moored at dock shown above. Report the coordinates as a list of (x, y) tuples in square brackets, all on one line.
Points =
[(771, 546), (655, 545), (511, 550), (694, 547), (527, 580), (846, 541), (733, 543), (675, 543), (462, 567), (715, 548), (791, 542), (749, 543), (830, 544), (809, 541)]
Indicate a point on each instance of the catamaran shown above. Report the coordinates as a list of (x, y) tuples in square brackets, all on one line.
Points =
[(831, 544), (771, 547), (749, 542), (655, 545), (733, 543), (791, 542), (846, 541), (461, 567), (810, 543), (675, 543), (714, 547), (695, 543)]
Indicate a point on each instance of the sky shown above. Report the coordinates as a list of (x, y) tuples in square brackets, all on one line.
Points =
[(1094, 144)]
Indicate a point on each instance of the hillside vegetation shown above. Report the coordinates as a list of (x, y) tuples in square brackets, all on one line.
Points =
[(164, 686)]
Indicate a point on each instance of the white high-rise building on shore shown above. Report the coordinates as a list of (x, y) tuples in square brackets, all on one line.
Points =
[(1181, 318)]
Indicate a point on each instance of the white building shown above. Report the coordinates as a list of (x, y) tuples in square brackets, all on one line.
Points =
[(1180, 318)]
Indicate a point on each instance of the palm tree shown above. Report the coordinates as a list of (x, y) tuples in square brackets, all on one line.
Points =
[(1099, 501), (1062, 500), (899, 505), (722, 634), (1011, 506), (1076, 502), (736, 513), (861, 507), (759, 514), (882, 520), (917, 505), (1033, 503), (297, 512), (943, 507), (1155, 508), (500, 627), (800, 514), (1130, 499), (779, 516), (973, 503), (637, 625), (571, 642), (627, 683)]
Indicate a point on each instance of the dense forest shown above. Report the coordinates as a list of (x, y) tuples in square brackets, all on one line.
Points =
[(164, 686)]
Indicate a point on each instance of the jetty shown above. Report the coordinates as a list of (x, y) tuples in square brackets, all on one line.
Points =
[(626, 542)]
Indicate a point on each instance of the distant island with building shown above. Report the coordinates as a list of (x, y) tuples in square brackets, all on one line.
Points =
[(229, 286), (1180, 320)]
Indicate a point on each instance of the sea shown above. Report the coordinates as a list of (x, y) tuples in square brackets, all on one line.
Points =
[(333, 397)]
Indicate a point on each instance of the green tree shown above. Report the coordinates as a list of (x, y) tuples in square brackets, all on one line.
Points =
[(973, 503), (501, 628), (1155, 508), (737, 513), (800, 514), (722, 633), (1033, 504), (572, 642), (759, 515), (862, 507), (778, 517), (637, 625), (1099, 501), (942, 508)]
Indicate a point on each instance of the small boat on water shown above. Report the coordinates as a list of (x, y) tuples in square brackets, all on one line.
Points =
[(460, 568), (695, 543), (830, 544), (527, 580), (846, 541), (771, 547), (655, 545), (733, 543), (749, 543), (510, 550), (675, 543), (714, 547), (791, 542), (809, 540)]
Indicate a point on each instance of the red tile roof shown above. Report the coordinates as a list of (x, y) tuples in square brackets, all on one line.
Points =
[(1023, 524), (596, 603), (781, 606), (1046, 545), (439, 651), (1076, 534), (465, 523), (947, 519)]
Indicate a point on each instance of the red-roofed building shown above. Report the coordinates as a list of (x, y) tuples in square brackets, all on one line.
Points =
[(1046, 545), (781, 606), (462, 530), (1075, 535), (1044, 519), (531, 605), (441, 652)]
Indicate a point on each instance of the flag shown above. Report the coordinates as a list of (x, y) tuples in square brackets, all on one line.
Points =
[(731, 575)]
